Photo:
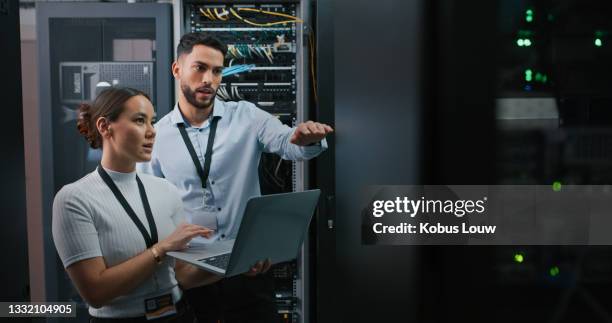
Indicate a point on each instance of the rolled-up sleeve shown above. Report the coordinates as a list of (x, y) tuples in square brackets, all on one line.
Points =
[(274, 137)]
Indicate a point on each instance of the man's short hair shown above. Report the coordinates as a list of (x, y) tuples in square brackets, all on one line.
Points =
[(189, 40)]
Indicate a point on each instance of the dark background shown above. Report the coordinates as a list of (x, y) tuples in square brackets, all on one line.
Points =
[(413, 92)]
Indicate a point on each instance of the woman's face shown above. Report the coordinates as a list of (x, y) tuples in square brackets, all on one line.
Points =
[(132, 134)]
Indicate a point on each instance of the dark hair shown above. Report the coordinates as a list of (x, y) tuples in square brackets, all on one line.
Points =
[(189, 40), (108, 104)]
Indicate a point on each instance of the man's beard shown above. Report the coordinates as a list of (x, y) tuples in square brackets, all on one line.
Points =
[(190, 95)]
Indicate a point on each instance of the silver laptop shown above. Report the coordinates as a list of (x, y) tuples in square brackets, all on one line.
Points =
[(273, 227)]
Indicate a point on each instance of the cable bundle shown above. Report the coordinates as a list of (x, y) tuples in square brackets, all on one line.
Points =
[(215, 14), (223, 15), (250, 51), (231, 70), (232, 95)]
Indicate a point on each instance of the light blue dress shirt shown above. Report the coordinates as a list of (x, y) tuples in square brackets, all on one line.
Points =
[(243, 132)]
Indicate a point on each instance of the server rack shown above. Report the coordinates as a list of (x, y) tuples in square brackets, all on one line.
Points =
[(397, 81), (279, 84)]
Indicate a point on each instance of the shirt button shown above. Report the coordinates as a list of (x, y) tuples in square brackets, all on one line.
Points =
[(213, 182), (218, 209), (223, 236)]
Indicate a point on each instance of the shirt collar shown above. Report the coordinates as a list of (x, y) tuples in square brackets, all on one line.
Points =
[(119, 177), (177, 117)]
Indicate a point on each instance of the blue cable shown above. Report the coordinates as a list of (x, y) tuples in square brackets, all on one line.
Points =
[(237, 69)]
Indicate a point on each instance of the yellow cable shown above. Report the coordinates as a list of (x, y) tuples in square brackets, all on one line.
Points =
[(312, 65), (272, 13), (235, 50), (268, 53), (219, 16), (205, 14), (267, 24), (211, 14)]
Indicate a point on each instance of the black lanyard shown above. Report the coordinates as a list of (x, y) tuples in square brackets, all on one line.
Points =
[(149, 240), (202, 172)]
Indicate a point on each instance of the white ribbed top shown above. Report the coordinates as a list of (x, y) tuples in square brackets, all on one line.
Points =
[(89, 222)]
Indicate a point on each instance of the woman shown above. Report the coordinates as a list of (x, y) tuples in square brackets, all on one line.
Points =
[(113, 228)]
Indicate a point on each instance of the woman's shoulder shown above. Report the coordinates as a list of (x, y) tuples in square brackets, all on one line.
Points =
[(79, 187), (76, 195)]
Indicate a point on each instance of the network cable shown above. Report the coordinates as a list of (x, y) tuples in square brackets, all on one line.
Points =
[(292, 19), (231, 70)]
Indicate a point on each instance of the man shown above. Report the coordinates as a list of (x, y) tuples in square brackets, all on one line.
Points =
[(216, 182)]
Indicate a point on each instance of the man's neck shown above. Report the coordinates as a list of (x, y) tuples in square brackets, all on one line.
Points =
[(196, 117)]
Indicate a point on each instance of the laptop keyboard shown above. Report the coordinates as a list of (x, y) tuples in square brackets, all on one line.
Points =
[(220, 261)]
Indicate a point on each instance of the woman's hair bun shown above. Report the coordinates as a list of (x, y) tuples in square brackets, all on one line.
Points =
[(85, 126)]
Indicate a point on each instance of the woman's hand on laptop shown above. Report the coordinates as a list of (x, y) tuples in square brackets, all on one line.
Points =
[(261, 267), (179, 239)]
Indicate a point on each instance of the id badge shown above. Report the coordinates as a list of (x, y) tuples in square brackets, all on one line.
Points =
[(159, 306)]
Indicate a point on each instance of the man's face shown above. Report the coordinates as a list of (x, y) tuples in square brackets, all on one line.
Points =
[(199, 75)]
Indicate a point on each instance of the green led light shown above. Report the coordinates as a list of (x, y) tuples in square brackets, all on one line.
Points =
[(527, 42), (529, 15), (528, 75), (556, 186), (538, 77), (520, 42), (598, 42), (519, 258), (544, 78), (554, 271)]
